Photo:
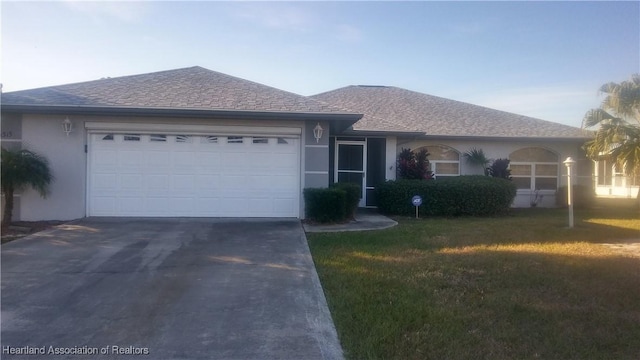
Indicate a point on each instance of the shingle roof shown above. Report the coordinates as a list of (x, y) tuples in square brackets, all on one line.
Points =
[(386, 107), (194, 88)]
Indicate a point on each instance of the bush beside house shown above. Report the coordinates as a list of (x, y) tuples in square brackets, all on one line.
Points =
[(462, 195), (337, 203)]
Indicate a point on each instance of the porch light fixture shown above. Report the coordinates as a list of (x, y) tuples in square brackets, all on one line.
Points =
[(317, 132), (569, 163), (67, 126)]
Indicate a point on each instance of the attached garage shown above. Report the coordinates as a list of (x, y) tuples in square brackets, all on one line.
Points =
[(226, 173), (179, 143)]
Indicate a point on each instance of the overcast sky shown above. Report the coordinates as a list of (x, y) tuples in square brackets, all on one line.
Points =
[(541, 59)]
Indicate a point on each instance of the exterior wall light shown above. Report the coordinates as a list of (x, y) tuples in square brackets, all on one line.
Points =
[(67, 126), (317, 132)]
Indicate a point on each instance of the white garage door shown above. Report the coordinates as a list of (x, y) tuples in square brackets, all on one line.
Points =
[(193, 175)]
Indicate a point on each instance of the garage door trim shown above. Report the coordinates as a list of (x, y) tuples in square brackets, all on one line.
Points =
[(96, 127)]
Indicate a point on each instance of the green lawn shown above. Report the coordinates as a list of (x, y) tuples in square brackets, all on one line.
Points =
[(523, 286)]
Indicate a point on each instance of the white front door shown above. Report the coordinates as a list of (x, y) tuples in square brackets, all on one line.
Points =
[(193, 175), (351, 164)]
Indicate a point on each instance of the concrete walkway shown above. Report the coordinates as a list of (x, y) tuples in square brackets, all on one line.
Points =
[(366, 219)]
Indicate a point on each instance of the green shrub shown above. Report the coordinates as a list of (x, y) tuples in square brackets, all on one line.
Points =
[(353, 194), (500, 169), (583, 196), (325, 204), (454, 196)]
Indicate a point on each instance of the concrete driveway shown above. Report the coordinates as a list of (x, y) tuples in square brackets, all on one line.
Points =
[(165, 289)]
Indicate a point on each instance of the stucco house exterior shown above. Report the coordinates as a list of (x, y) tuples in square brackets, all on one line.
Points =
[(198, 143)]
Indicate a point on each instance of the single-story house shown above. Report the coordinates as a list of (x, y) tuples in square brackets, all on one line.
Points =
[(194, 142)]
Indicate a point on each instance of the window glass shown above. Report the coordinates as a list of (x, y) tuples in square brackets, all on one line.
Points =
[(446, 168), (209, 139), (520, 170), (439, 152), (234, 140), (130, 137), (184, 138), (534, 169), (158, 138), (546, 183), (546, 170), (108, 137), (260, 140), (533, 155), (522, 182)]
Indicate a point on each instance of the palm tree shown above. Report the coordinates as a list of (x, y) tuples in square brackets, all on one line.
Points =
[(477, 157), (618, 135), (21, 169)]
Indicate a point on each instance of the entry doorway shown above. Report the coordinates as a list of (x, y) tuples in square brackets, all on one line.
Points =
[(350, 160)]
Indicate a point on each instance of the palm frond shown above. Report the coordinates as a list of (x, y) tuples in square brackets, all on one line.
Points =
[(24, 168)]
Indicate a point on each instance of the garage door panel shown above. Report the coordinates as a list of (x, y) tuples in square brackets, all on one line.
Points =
[(131, 182), (182, 182), (284, 205), (130, 205), (130, 158), (157, 160), (157, 205), (207, 182), (106, 182), (103, 205), (106, 158), (188, 175), (156, 182), (208, 162)]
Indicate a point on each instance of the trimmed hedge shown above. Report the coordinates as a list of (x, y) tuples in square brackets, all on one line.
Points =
[(583, 196), (325, 204), (353, 194), (454, 196), (334, 204)]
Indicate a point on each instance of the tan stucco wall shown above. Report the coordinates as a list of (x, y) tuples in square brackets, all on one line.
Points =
[(494, 149)]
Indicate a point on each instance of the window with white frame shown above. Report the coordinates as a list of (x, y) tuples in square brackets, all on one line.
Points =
[(534, 169), (443, 160)]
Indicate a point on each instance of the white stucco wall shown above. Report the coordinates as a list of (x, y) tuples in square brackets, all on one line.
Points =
[(68, 160), (494, 149)]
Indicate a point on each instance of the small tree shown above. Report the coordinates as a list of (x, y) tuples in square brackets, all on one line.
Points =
[(617, 124), (478, 158), (413, 165), (22, 169), (500, 169)]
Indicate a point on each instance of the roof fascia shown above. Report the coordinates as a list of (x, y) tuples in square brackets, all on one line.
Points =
[(351, 118), (504, 138)]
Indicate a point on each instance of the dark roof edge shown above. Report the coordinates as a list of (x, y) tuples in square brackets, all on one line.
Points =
[(507, 138), (351, 132), (172, 112), (422, 135)]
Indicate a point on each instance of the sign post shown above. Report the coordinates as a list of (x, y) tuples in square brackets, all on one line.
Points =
[(416, 201)]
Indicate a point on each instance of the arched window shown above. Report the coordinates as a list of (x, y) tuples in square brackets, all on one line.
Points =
[(443, 160), (534, 169)]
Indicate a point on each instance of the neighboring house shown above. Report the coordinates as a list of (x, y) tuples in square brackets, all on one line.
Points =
[(194, 142), (611, 181)]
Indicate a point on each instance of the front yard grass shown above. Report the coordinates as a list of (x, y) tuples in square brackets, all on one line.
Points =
[(523, 286)]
